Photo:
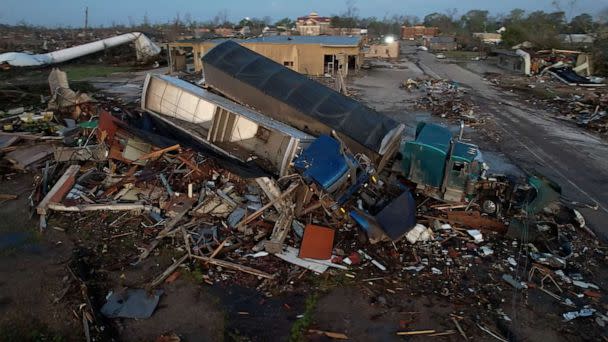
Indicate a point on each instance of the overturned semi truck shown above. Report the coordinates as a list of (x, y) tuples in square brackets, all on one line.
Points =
[(298, 101), (247, 136)]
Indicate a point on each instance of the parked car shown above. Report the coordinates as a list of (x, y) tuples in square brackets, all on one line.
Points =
[(440, 56)]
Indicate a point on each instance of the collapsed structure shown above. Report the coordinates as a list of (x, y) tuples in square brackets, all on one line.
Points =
[(144, 48)]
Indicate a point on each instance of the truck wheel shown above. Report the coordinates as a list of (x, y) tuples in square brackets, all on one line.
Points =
[(490, 206)]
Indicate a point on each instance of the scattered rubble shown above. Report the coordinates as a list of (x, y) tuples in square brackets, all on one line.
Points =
[(119, 178), (446, 99), (583, 106)]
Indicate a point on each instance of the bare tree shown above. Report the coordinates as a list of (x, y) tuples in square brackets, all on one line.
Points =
[(566, 6), (220, 18), (351, 9)]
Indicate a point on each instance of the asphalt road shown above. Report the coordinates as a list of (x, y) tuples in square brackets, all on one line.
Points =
[(534, 140)]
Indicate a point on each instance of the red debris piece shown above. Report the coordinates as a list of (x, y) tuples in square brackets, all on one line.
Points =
[(317, 242)]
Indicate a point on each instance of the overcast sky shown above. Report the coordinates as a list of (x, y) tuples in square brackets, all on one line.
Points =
[(105, 12)]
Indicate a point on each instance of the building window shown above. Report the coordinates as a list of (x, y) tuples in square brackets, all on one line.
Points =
[(288, 64)]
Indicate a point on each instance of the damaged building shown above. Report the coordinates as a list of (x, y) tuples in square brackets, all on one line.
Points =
[(310, 55)]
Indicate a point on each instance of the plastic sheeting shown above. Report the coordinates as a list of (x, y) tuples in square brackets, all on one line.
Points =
[(307, 97)]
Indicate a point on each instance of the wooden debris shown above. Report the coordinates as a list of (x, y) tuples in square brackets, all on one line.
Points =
[(26, 156), (155, 154), (253, 216), (97, 207), (280, 231), (168, 271), (415, 332), (227, 264), (330, 334), (60, 189), (459, 329)]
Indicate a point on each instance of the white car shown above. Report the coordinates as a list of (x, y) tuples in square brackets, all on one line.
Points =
[(423, 48), (440, 56)]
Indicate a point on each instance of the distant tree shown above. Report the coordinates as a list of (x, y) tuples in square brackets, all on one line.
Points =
[(582, 23), (515, 16), (600, 46), (221, 18), (285, 22), (475, 21), (443, 21)]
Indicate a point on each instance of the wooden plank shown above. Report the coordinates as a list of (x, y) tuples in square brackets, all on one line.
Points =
[(280, 231), (96, 207), (22, 157), (227, 264), (253, 216), (60, 189), (158, 153)]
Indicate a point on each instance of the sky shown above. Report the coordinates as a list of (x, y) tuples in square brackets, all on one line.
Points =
[(106, 12)]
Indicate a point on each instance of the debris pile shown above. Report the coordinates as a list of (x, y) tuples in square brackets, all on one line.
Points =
[(446, 99), (128, 190), (584, 106)]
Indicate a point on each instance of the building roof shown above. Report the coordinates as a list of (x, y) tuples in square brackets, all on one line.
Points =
[(313, 40), (575, 38), (487, 35), (442, 39), (314, 16)]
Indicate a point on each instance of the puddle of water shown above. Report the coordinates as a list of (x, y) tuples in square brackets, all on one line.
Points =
[(13, 239), (18, 240)]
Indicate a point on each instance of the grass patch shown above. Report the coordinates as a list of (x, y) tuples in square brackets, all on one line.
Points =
[(80, 72), (299, 327), (461, 54)]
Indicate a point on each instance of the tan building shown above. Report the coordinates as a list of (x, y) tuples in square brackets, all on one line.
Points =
[(382, 50), (310, 55), (417, 32), (313, 25), (224, 31), (488, 37)]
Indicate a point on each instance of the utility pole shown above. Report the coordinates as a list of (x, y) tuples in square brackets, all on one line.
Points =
[(86, 18)]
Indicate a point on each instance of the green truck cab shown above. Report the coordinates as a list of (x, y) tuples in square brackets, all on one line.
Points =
[(442, 167), (450, 170)]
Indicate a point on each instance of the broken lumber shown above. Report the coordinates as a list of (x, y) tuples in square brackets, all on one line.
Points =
[(63, 185), (280, 231), (227, 264), (97, 207), (415, 332), (158, 153), (175, 220), (253, 216), (168, 271)]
